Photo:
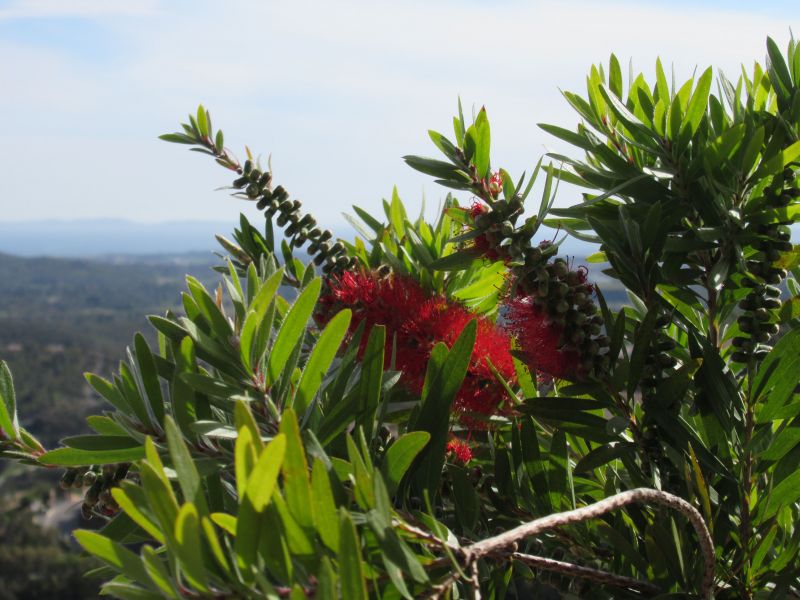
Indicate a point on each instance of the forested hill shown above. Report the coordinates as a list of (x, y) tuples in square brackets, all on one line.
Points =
[(62, 317)]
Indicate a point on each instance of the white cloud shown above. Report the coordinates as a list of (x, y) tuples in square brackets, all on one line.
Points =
[(36, 9), (337, 91)]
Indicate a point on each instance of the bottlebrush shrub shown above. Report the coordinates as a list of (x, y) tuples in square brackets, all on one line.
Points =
[(452, 410)]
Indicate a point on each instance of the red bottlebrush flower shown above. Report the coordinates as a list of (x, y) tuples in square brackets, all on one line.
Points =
[(540, 340), (418, 320), (482, 244), (459, 449), (496, 183)]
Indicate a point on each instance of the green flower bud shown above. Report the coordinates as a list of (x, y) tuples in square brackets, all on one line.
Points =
[(577, 337), (86, 511), (562, 306), (740, 357), (560, 268), (665, 360), (94, 492), (533, 255), (761, 314), (252, 191), (746, 323), (663, 321), (543, 288), (68, 478)]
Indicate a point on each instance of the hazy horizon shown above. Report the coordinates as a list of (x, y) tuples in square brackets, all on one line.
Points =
[(88, 238)]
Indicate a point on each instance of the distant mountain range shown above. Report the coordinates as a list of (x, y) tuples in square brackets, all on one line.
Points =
[(103, 237), (90, 238)]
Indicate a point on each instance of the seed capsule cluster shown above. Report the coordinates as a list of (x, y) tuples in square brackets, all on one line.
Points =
[(658, 366), (298, 226), (757, 323), (562, 293), (658, 363), (99, 481)]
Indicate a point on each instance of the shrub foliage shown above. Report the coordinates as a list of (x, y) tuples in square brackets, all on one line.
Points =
[(451, 409)]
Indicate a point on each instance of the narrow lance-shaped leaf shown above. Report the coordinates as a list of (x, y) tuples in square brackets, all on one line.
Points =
[(351, 567), (320, 360), (189, 550), (292, 330), (8, 404)]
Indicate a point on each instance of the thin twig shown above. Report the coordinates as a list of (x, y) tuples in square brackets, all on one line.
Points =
[(596, 575), (507, 539)]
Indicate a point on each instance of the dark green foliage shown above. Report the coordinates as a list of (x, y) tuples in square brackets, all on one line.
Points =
[(258, 455)]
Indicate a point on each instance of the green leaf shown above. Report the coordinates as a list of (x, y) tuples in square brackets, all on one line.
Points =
[(433, 167), (778, 71), (255, 318), (457, 261), (105, 425), (158, 573), (321, 358), (189, 550), (351, 567), (264, 476), (446, 371), (132, 500), (177, 138), (784, 442), (790, 309), (107, 390), (292, 330), (294, 469), (243, 419), (114, 554), (698, 103), (214, 544), (149, 376), (324, 505), (8, 404), (443, 144), (631, 121), (482, 144), (783, 494), (615, 76), (94, 450), (202, 121), (467, 502), (401, 455), (776, 380), (535, 465), (220, 327), (397, 214), (369, 385), (182, 461)]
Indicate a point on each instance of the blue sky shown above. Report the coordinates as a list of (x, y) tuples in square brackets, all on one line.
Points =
[(337, 91)]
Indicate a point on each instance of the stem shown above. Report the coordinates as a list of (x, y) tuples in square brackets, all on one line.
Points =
[(745, 528), (713, 329), (505, 543)]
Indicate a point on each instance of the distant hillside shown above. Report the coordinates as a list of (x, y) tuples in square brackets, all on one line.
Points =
[(62, 317), (96, 237)]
